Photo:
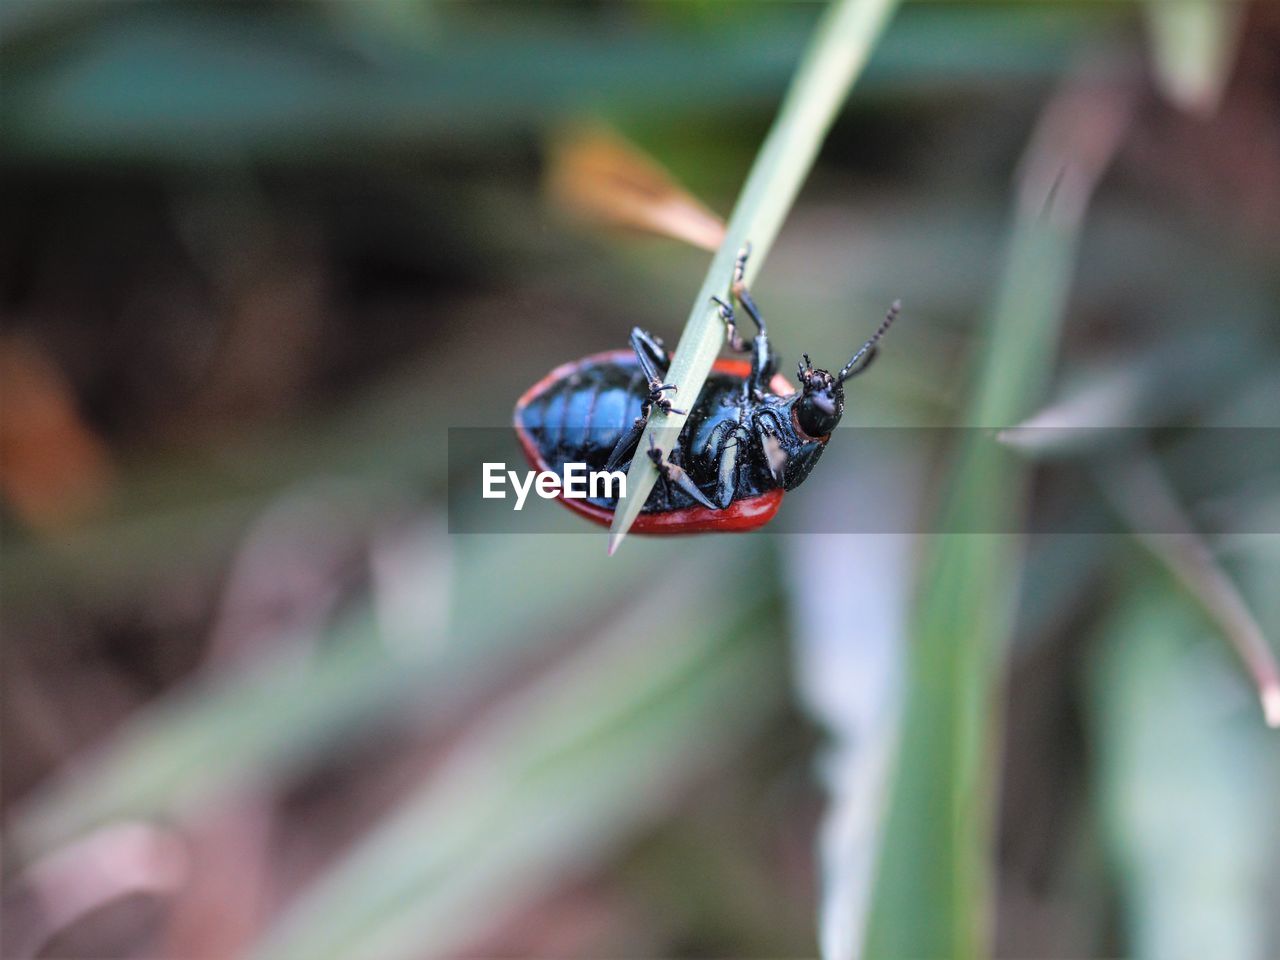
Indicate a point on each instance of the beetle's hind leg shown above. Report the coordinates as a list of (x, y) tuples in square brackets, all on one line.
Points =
[(626, 445), (650, 351), (675, 474), (654, 362)]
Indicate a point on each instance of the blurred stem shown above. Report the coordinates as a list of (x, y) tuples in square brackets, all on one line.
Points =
[(937, 851), (840, 48), (1141, 494)]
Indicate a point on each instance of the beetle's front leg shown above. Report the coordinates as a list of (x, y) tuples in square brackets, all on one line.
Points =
[(732, 337), (764, 363)]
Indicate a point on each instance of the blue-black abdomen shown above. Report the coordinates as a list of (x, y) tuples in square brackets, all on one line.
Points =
[(578, 414)]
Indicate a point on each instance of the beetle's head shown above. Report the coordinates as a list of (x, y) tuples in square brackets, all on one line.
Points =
[(821, 402)]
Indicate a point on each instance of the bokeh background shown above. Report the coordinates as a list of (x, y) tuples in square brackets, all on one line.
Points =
[(257, 258)]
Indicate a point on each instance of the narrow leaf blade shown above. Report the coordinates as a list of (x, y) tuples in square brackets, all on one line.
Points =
[(840, 49)]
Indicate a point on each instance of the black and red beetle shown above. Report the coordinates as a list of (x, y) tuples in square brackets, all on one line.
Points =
[(750, 435)]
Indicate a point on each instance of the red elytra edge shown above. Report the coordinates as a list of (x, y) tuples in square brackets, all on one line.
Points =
[(741, 515)]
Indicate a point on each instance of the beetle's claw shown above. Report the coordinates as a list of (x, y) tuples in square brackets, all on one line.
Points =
[(656, 399), (740, 264)]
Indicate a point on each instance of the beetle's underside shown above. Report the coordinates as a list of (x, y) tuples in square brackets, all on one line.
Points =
[(748, 437), (578, 412)]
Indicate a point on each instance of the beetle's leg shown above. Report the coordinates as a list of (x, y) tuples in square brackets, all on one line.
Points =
[(731, 335), (673, 473), (739, 288), (764, 363), (726, 443), (654, 362), (769, 432), (651, 353), (626, 445)]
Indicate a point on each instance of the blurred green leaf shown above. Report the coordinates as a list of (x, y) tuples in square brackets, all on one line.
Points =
[(937, 846), (1138, 490), (548, 784), (204, 83), (1187, 785), (933, 894), (270, 720)]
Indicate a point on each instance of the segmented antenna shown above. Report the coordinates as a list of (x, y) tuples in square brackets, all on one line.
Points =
[(867, 349)]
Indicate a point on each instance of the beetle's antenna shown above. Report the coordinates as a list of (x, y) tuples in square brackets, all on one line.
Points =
[(858, 362)]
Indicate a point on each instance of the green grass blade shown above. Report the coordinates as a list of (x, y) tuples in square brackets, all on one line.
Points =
[(933, 894), (547, 786), (841, 46), (1193, 44), (273, 719), (937, 846), (1187, 784)]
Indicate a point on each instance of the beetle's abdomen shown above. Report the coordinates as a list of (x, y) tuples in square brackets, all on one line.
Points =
[(579, 412)]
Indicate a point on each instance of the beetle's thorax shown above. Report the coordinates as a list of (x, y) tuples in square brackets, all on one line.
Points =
[(786, 449)]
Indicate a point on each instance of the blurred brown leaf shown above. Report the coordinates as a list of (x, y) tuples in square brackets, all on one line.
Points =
[(53, 469), (597, 175)]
